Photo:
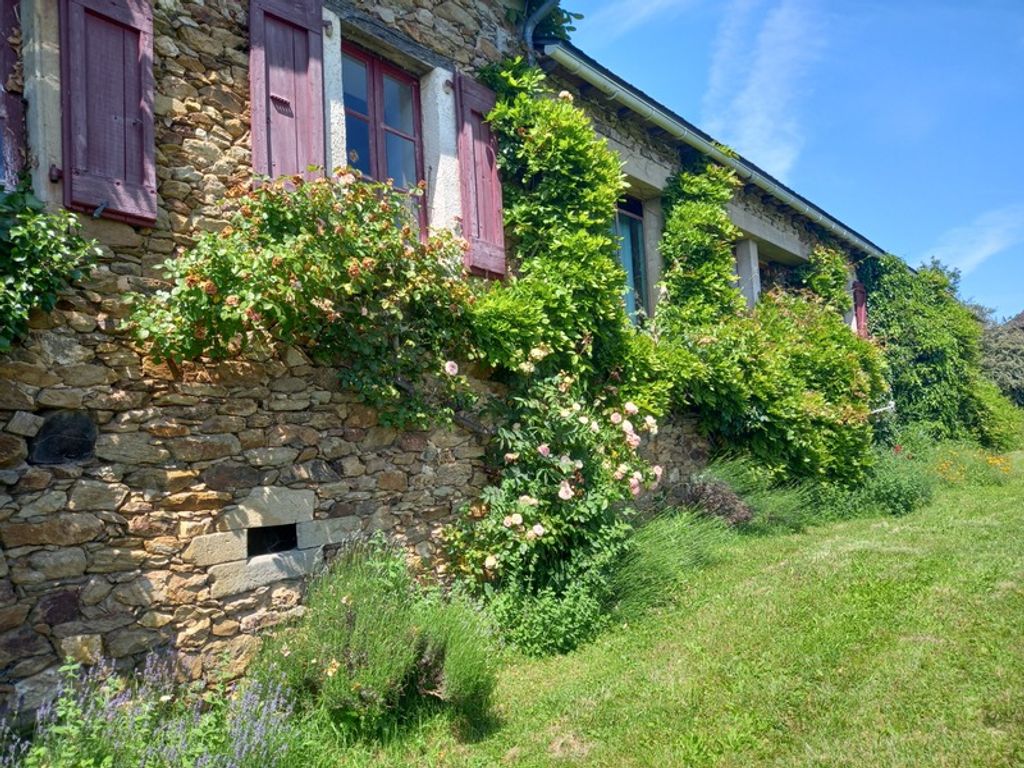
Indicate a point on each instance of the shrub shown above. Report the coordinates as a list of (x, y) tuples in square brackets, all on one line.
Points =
[(933, 344), (332, 265), (373, 645), (827, 275), (43, 253), (151, 721), (788, 381), (539, 543), (1003, 357)]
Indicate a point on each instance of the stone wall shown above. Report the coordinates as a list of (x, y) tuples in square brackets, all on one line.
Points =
[(127, 492)]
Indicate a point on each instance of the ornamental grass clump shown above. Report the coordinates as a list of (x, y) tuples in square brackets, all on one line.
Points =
[(336, 266), (540, 544), (374, 646)]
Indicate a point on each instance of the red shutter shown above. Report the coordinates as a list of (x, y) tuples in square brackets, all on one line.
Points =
[(12, 126), (482, 223), (286, 86), (860, 308), (107, 76)]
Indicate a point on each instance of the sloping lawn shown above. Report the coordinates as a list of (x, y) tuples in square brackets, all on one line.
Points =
[(874, 642)]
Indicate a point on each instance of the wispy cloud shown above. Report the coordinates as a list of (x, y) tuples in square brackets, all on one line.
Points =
[(969, 246), (615, 18), (761, 58)]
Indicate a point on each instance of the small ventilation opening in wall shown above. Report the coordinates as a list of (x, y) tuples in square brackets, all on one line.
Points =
[(271, 539)]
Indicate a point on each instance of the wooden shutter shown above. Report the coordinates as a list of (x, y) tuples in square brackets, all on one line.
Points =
[(107, 91), (286, 86), (860, 308), (12, 125), (482, 224)]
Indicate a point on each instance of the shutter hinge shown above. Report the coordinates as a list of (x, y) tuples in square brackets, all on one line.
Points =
[(100, 209)]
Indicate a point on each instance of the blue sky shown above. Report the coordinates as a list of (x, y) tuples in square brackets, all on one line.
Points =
[(902, 118)]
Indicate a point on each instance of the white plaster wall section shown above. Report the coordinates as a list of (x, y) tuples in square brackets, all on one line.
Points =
[(654, 223), (40, 21), (440, 149), (334, 106), (756, 226), (748, 273)]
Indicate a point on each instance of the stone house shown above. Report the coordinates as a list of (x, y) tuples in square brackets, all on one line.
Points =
[(141, 507)]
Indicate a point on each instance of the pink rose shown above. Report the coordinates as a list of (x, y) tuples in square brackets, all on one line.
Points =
[(631, 409), (510, 457), (565, 491), (616, 418), (634, 486), (633, 440), (544, 449), (538, 530), (627, 427), (451, 368)]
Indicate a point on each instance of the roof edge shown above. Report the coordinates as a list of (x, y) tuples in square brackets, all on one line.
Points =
[(580, 64)]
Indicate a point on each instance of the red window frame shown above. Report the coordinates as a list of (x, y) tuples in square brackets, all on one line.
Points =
[(376, 69)]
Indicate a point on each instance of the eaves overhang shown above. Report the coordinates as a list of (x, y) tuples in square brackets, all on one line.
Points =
[(577, 63)]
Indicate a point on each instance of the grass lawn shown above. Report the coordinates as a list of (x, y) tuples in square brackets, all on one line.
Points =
[(872, 642)]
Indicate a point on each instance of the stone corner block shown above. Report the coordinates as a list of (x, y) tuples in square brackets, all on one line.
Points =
[(245, 575), (271, 505)]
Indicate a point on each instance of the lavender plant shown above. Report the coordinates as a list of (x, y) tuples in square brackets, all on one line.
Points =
[(99, 719)]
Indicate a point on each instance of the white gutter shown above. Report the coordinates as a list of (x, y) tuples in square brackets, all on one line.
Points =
[(660, 118)]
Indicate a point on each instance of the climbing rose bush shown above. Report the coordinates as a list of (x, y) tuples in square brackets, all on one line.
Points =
[(558, 519), (337, 266)]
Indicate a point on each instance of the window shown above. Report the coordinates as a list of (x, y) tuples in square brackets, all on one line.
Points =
[(271, 539), (629, 228), (382, 119), (286, 87), (107, 88)]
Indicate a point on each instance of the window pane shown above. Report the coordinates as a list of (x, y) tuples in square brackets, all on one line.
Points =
[(354, 78), (357, 142), (631, 257), (398, 105), (401, 160)]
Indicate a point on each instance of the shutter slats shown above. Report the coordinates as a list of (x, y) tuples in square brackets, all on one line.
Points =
[(12, 127), (286, 85), (107, 60), (482, 223)]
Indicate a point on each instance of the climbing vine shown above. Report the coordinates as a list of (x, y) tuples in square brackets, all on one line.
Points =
[(43, 253)]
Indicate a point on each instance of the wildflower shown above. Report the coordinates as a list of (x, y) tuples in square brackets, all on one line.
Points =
[(631, 408), (346, 178), (565, 491), (658, 471), (451, 368), (594, 426), (510, 457), (616, 418), (544, 449), (165, 698), (527, 367), (584, 420), (516, 518), (538, 530), (364, 311), (286, 651), (332, 668), (528, 501), (540, 352), (491, 563)]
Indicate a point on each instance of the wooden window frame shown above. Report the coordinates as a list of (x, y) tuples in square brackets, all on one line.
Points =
[(12, 110), (376, 68)]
